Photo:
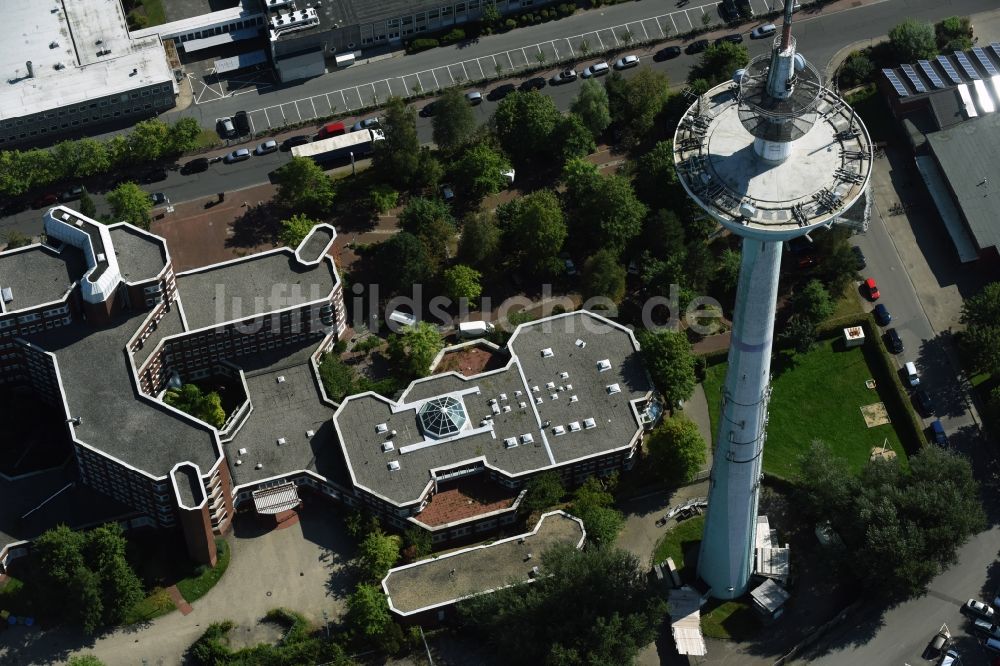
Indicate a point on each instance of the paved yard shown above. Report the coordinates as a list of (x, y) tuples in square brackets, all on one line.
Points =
[(301, 567)]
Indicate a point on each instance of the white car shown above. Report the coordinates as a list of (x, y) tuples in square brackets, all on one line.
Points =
[(237, 156), (627, 61), (268, 146), (597, 69), (367, 123), (762, 31), (473, 98), (979, 609)]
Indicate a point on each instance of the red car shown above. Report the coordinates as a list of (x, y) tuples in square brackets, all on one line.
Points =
[(872, 288)]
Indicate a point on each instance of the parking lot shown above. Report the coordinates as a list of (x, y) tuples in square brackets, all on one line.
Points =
[(493, 66)]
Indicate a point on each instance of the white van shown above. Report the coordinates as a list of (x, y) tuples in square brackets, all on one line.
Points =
[(474, 329), (401, 317), (912, 376)]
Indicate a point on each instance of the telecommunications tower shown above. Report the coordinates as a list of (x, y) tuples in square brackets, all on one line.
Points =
[(771, 155)]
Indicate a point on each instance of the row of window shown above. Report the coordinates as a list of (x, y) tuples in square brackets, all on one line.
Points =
[(407, 25), (220, 29), (160, 103)]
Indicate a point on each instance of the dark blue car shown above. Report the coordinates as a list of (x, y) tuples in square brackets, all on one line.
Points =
[(882, 315)]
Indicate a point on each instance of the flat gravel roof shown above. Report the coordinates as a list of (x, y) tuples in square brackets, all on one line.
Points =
[(38, 274)]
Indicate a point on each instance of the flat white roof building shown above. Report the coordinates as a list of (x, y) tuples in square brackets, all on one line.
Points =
[(65, 53)]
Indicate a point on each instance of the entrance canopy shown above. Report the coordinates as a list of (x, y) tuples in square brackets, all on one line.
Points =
[(275, 500)]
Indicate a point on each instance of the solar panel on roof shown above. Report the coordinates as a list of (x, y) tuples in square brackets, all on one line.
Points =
[(931, 75), (914, 78), (984, 61), (970, 108), (949, 70), (995, 47), (896, 83), (983, 97), (966, 64)]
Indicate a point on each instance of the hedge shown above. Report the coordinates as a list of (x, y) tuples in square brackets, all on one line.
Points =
[(418, 45)]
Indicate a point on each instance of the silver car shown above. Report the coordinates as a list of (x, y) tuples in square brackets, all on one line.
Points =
[(237, 156), (627, 61), (268, 146)]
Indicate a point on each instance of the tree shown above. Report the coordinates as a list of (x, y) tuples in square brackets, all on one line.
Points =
[(813, 302), (16, 239), (148, 141), (603, 276), (543, 491), (662, 261), (82, 158), (480, 171), (462, 282), (727, 271), (591, 104), (604, 209), (295, 229), (430, 220), (87, 206), (524, 123), (339, 379), (677, 451), (980, 342), (718, 63), (413, 349), (534, 232), (129, 203), (636, 102), (84, 660), (556, 619), (479, 245), (402, 261), (377, 553), (417, 543), (900, 527), (655, 178), (800, 333), (913, 40), (491, 15), (368, 611), (953, 33), (573, 138), (453, 120), (384, 198), (838, 265), (190, 399), (397, 158), (670, 360), (856, 69), (183, 136), (593, 504), (120, 588), (303, 187)]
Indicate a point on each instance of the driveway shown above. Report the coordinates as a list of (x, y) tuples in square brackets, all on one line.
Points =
[(301, 567)]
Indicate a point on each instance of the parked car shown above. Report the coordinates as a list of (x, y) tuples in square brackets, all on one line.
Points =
[(43, 200), (268, 146), (225, 128), (627, 62), (924, 403), (237, 156), (976, 608), (859, 258), (196, 165), (153, 175), (570, 267), (474, 98), (564, 76), (536, 83), (696, 46), (159, 198), (428, 110), (937, 430), (72, 194), (668, 53), (882, 315), (735, 38), (893, 341), (447, 193), (367, 123), (293, 141), (597, 69), (912, 376), (872, 288), (763, 31), (500, 92), (242, 122)]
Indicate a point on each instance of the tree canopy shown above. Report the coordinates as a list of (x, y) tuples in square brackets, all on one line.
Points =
[(572, 139), (900, 527), (462, 282), (191, 400), (591, 104), (525, 123), (368, 611), (543, 491), (718, 63), (655, 179), (603, 276), (430, 220), (670, 360), (377, 553), (594, 505), (813, 302), (555, 620), (480, 171), (980, 341), (954, 33), (129, 203), (295, 229), (398, 159), (402, 261), (636, 102), (304, 187), (677, 451), (480, 242), (453, 120), (534, 230), (913, 40), (413, 349), (604, 209)]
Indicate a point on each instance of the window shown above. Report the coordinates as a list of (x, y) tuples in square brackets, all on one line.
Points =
[(446, 11), (432, 14)]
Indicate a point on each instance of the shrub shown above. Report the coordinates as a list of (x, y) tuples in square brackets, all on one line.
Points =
[(454, 35), (423, 44), (510, 24), (856, 70)]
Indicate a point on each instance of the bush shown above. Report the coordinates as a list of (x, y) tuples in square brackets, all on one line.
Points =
[(454, 35), (510, 24), (423, 44), (857, 69), (566, 9)]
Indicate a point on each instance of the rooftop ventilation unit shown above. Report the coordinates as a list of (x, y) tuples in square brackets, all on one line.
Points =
[(574, 426), (603, 365), (517, 393), (382, 428), (493, 401), (495, 408), (243, 452), (294, 20), (553, 396), (387, 446), (238, 462), (538, 400), (559, 430), (53, 44), (275, 4), (535, 389), (573, 398), (7, 294), (522, 405), (550, 385), (506, 408), (569, 387), (563, 375), (281, 379), (547, 352), (281, 441), (393, 465), (259, 466), (589, 423), (526, 438), (59, 65), (101, 258), (614, 388), (580, 343), (503, 396), (310, 433), (510, 442)]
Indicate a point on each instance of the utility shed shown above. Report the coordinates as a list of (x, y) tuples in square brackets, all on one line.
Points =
[(854, 336), (769, 600), (685, 621)]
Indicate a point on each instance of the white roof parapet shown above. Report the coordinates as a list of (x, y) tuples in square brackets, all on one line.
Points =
[(94, 240)]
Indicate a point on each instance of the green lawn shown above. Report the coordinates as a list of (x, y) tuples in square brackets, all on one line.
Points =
[(817, 395), (154, 11), (729, 620), (156, 604), (195, 587), (680, 541)]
